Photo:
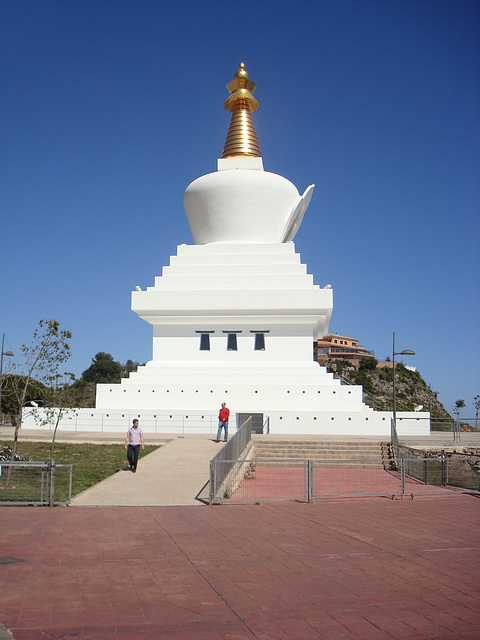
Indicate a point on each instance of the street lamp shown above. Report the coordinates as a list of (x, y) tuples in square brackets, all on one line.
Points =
[(4, 353), (405, 352)]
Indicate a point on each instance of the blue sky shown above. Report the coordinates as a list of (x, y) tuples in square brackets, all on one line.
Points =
[(111, 108)]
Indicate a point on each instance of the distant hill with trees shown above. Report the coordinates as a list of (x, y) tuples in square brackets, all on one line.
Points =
[(411, 389)]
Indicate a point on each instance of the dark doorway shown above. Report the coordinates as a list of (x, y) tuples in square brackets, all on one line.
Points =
[(257, 421)]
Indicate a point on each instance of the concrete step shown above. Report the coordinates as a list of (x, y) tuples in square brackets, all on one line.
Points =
[(325, 450), (306, 447), (317, 444), (310, 453), (316, 455), (320, 443)]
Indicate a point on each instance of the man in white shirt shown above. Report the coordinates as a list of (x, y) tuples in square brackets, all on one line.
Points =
[(132, 445)]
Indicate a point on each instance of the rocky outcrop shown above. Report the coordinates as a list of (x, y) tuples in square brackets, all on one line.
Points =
[(411, 389)]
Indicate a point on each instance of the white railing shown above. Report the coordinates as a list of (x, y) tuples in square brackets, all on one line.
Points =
[(91, 420)]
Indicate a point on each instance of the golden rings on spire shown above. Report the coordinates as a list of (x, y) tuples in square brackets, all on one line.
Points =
[(241, 138)]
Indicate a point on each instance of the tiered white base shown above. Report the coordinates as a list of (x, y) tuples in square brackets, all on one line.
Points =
[(241, 289)]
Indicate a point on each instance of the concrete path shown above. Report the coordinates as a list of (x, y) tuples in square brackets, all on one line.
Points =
[(175, 474)]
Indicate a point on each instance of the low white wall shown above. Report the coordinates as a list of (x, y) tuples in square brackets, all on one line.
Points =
[(333, 423), (104, 421), (413, 423)]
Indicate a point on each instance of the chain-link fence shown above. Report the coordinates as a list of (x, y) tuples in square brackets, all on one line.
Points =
[(379, 477), (224, 472), (461, 469), (259, 480), (270, 480), (35, 483)]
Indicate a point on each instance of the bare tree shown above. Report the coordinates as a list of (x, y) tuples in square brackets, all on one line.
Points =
[(476, 404), (63, 397), (42, 358)]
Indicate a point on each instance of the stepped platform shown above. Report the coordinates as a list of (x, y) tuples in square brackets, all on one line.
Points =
[(271, 447)]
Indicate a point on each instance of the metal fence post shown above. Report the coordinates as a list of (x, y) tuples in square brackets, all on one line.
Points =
[(444, 475), (42, 485), (402, 476), (70, 484), (52, 483), (310, 480), (212, 481), (456, 430)]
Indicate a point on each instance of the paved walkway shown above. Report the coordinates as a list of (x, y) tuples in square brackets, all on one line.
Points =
[(339, 569), (358, 569), (174, 474)]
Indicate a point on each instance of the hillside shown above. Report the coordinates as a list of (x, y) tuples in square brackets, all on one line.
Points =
[(411, 389)]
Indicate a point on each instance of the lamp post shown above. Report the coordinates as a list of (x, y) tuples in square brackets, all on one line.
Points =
[(405, 352), (4, 353)]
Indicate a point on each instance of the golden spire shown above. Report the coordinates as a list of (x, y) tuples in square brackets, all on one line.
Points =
[(241, 137)]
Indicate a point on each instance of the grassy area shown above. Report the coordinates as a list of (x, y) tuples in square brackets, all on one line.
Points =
[(91, 462)]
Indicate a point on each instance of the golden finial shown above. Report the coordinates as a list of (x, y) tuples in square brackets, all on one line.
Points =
[(241, 137), (241, 73)]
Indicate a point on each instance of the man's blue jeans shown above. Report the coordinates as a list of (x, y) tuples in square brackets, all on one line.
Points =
[(222, 425)]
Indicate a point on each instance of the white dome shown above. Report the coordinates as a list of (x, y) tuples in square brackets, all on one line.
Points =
[(239, 206)]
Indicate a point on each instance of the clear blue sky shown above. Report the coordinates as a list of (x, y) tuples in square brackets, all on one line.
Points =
[(110, 109)]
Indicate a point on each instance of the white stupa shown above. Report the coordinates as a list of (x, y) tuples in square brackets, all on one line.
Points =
[(235, 316)]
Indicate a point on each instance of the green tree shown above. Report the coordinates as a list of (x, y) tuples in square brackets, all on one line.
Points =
[(103, 369), (459, 404), (84, 393), (128, 367), (363, 377), (42, 358), (34, 390), (368, 364)]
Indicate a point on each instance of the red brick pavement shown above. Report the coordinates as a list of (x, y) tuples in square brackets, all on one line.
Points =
[(370, 569)]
